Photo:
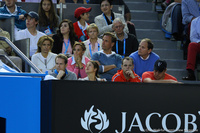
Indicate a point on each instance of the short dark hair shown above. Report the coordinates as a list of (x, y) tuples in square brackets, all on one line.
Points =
[(95, 64), (62, 56), (109, 1), (128, 58), (81, 44), (149, 42), (112, 35)]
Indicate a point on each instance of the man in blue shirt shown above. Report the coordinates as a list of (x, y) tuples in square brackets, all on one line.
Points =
[(10, 9), (109, 62), (144, 58)]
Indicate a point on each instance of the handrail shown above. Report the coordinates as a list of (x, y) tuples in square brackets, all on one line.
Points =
[(20, 53), (6, 57), (23, 74)]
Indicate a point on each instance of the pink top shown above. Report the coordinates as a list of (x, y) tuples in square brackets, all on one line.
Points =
[(69, 50), (71, 65)]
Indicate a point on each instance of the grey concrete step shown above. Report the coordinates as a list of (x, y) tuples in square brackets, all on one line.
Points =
[(156, 34), (177, 73), (165, 44), (169, 54), (135, 1), (139, 6), (146, 24), (176, 64), (143, 15)]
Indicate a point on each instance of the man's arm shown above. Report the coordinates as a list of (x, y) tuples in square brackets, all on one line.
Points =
[(148, 80)]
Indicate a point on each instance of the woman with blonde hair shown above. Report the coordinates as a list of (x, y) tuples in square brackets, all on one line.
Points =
[(93, 44), (44, 59)]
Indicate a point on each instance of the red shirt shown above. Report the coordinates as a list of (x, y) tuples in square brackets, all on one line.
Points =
[(119, 77), (78, 31), (151, 76)]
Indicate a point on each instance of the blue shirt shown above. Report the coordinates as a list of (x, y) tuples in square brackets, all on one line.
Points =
[(190, 9), (195, 30), (103, 59), (140, 65)]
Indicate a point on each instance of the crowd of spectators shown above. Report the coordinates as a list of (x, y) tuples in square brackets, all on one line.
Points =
[(107, 50)]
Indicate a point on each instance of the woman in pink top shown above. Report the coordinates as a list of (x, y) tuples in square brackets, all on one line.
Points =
[(78, 61)]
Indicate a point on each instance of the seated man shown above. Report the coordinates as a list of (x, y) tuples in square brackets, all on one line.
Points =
[(159, 74), (61, 72), (5, 49), (30, 32), (126, 74), (193, 49), (126, 42), (109, 62), (144, 58), (10, 9)]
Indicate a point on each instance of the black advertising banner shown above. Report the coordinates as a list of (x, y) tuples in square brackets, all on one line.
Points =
[(106, 107), (2, 125)]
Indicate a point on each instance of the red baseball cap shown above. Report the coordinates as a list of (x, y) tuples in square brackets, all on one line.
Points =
[(81, 10)]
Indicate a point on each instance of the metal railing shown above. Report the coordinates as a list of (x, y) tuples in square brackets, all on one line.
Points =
[(19, 53)]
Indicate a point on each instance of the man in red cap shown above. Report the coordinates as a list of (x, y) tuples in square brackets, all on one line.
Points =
[(82, 15)]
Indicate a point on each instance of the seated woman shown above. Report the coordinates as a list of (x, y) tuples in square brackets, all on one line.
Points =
[(48, 20), (77, 63), (92, 69), (104, 21), (93, 44), (82, 15), (43, 58), (65, 38)]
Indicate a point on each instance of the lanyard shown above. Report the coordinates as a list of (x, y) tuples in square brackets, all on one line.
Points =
[(82, 31), (106, 20), (91, 49), (66, 46), (124, 49)]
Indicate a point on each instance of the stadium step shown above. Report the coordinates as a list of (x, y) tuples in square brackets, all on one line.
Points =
[(139, 6), (169, 54), (143, 15), (146, 24), (155, 34)]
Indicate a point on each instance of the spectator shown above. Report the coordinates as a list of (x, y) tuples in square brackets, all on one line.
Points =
[(127, 13), (92, 69), (5, 49), (93, 44), (144, 58), (44, 59), (37, 1), (109, 62), (65, 38), (190, 10), (193, 49), (77, 63), (10, 9), (82, 15), (74, 1), (105, 20), (61, 72), (30, 32), (159, 74), (126, 74), (48, 20), (126, 43)]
